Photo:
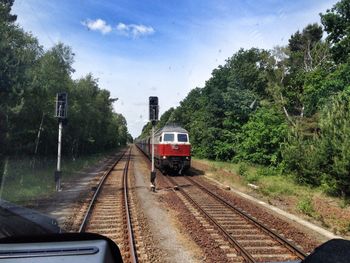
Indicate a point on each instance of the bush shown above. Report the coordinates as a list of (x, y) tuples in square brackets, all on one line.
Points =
[(268, 171), (276, 186), (243, 169), (252, 178), (325, 158), (261, 136), (305, 206)]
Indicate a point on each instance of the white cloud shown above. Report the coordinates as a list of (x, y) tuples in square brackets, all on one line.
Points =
[(98, 25), (135, 30)]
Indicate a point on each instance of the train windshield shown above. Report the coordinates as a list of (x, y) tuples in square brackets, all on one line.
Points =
[(168, 137), (181, 137), (262, 88)]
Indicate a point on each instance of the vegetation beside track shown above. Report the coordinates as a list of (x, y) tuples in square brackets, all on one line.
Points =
[(21, 182), (281, 190), (287, 108), (30, 78)]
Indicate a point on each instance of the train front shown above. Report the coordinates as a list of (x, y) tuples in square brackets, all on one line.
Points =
[(173, 149)]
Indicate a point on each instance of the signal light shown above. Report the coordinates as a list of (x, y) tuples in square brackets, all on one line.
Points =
[(61, 105), (153, 108)]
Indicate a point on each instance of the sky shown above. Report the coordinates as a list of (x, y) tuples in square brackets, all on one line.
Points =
[(138, 49)]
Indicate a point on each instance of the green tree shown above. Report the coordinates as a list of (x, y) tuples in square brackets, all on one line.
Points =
[(261, 136), (5, 11), (336, 22), (335, 144)]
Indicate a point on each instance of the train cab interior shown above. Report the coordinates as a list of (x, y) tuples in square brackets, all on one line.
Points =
[(87, 247)]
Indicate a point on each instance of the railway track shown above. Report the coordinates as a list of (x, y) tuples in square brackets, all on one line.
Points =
[(248, 239), (110, 210)]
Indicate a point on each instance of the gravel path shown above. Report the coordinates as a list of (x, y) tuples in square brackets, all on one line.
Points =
[(175, 246)]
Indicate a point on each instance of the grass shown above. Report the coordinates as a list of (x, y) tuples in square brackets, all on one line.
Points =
[(21, 182), (305, 206), (270, 182), (282, 189), (278, 186)]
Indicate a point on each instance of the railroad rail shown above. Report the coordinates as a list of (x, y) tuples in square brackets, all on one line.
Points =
[(109, 210), (253, 241), (93, 199)]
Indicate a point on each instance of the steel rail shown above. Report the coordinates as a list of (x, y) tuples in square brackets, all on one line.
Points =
[(283, 241), (131, 238), (240, 249), (92, 202)]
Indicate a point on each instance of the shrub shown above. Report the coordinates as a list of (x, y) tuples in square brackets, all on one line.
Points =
[(261, 136), (243, 169), (305, 206), (268, 171)]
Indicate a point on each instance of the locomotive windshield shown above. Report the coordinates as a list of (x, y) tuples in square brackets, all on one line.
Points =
[(182, 137), (168, 137)]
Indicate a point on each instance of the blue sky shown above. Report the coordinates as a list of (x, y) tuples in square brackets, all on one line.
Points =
[(160, 48)]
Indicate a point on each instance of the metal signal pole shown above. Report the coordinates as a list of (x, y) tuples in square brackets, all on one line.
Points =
[(61, 115), (58, 171), (153, 116), (152, 148)]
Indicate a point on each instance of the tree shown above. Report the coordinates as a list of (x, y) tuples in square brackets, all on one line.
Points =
[(19, 51), (5, 11), (261, 136), (335, 144), (336, 22)]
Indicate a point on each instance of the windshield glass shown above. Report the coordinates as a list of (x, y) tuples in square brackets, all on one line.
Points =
[(169, 137), (92, 91), (182, 137)]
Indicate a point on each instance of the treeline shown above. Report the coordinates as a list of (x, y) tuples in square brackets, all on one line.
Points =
[(287, 108), (30, 77)]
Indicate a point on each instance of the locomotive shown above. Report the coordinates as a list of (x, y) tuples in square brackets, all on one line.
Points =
[(172, 148)]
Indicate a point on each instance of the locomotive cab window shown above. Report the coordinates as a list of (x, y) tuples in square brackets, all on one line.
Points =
[(182, 137), (168, 137), (160, 138)]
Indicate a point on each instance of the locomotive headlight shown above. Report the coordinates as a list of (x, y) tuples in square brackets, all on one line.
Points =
[(164, 157), (187, 158)]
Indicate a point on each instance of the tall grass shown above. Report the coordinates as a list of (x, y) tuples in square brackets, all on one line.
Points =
[(23, 180)]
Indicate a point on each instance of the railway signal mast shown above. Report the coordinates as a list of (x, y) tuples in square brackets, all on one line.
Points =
[(61, 115), (153, 117)]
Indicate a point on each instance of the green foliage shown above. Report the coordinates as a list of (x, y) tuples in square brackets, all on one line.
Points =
[(261, 137), (268, 171), (243, 169), (5, 11), (325, 159), (323, 83), (276, 186), (252, 178), (305, 206), (336, 22), (335, 143), (300, 156), (29, 80), (285, 108)]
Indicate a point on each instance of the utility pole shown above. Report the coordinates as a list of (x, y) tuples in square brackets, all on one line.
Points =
[(153, 117), (61, 115)]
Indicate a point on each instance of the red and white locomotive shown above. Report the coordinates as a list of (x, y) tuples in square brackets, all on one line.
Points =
[(172, 148)]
